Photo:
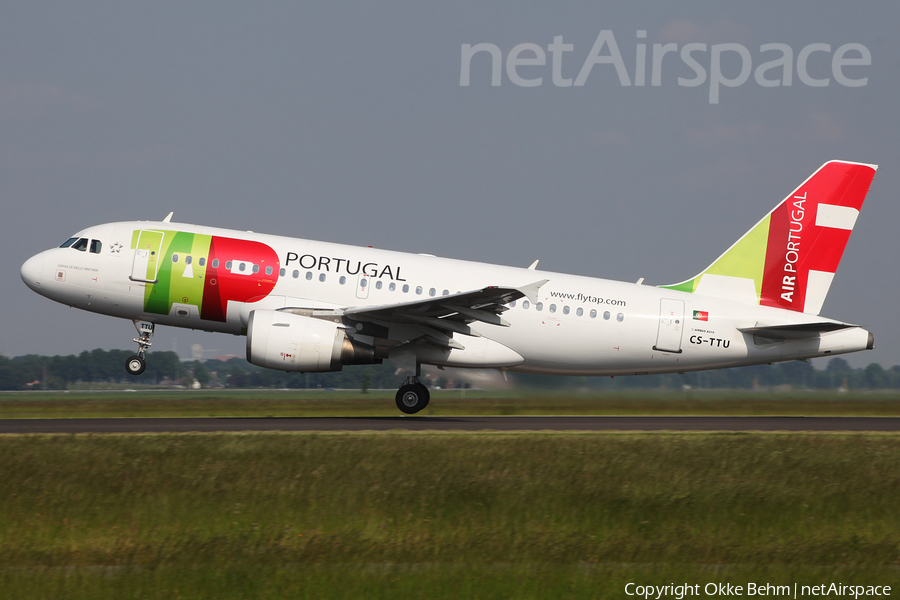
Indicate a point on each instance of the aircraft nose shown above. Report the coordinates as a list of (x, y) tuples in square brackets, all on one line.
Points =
[(32, 272)]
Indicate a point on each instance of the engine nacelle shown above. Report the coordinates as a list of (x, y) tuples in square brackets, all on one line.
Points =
[(289, 342)]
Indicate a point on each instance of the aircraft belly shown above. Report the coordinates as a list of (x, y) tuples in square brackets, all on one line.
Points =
[(478, 352), (567, 346)]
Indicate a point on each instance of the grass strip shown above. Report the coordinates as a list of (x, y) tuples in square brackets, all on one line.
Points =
[(526, 515), (415, 581)]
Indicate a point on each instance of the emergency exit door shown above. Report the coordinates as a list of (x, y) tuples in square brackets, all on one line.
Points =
[(146, 256)]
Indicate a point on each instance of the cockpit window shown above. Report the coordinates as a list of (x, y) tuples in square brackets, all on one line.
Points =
[(96, 246), (68, 242), (81, 244)]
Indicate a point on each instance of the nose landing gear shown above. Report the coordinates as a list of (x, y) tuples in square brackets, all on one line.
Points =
[(412, 396), (136, 364)]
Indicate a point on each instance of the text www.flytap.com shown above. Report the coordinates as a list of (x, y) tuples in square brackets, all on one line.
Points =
[(587, 299)]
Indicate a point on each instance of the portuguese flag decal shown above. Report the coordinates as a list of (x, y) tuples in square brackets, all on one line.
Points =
[(701, 315)]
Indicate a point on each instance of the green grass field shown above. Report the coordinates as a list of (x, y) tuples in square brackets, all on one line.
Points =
[(409, 515), (298, 403)]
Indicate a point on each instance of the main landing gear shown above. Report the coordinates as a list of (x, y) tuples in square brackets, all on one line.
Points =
[(412, 396), (136, 364)]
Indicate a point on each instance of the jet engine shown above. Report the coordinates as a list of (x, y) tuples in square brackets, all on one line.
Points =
[(290, 342)]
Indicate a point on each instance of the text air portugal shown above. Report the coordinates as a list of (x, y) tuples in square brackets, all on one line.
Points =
[(820, 214)]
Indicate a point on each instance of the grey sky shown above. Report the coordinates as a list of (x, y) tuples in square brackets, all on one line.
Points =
[(346, 121)]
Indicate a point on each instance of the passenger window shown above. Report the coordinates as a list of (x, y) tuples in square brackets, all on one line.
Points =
[(296, 274), (96, 246), (512, 304), (419, 290), (593, 314), (445, 293), (525, 304), (342, 280), (68, 242), (268, 270), (228, 266), (81, 245), (553, 308), (620, 317), (378, 285), (539, 306), (392, 287), (202, 261), (215, 263), (606, 316), (580, 311), (321, 276), (187, 260), (405, 288), (256, 268), (363, 283), (242, 266), (565, 310), (308, 275), (282, 272), (432, 292), (174, 258)]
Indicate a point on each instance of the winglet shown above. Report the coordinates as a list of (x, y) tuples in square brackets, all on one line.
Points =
[(531, 290), (534, 265), (168, 217)]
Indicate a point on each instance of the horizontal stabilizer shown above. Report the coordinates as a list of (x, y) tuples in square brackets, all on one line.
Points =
[(794, 331)]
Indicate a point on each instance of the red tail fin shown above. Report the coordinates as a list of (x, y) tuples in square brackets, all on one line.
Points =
[(808, 232)]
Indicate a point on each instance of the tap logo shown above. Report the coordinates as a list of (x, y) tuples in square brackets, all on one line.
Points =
[(202, 270)]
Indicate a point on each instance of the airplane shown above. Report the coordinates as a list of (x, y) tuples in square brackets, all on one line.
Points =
[(311, 306)]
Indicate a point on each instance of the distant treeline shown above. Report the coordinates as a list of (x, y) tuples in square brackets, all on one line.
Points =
[(165, 368), (108, 366)]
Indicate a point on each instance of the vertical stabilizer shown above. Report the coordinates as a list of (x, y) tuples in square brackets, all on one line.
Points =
[(789, 258)]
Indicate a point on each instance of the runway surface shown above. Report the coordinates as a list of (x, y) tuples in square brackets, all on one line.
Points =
[(537, 423)]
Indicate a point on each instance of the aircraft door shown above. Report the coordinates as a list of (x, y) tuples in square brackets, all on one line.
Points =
[(147, 256), (671, 326), (362, 285)]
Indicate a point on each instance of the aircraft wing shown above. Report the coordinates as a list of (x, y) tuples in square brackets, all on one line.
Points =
[(484, 305), (445, 315)]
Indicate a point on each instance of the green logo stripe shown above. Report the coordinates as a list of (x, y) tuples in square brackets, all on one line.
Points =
[(746, 259), (178, 281)]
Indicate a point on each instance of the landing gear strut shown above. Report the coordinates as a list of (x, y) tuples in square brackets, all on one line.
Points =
[(136, 364), (412, 396)]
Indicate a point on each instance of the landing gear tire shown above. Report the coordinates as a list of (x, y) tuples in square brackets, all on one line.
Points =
[(412, 398), (135, 365)]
